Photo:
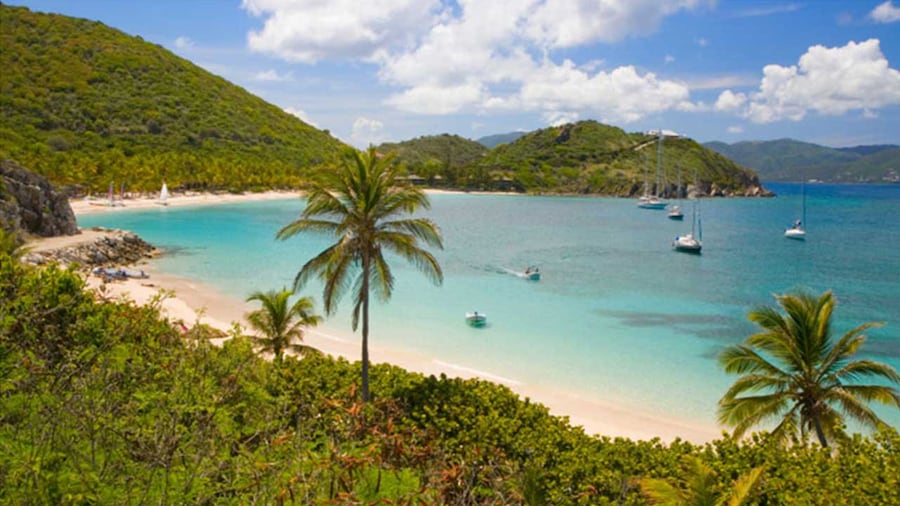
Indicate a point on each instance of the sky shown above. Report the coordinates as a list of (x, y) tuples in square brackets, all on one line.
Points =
[(822, 71)]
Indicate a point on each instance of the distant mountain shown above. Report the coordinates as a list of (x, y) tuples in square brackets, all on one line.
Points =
[(790, 160), (589, 157), (492, 141), (85, 104)]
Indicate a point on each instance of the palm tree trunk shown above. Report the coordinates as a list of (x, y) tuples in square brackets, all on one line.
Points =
[(365, 331), (819, 432)]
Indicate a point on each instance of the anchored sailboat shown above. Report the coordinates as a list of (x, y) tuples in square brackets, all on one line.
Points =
[(163, 195), (654, 201), (797, 231), (675, 209)]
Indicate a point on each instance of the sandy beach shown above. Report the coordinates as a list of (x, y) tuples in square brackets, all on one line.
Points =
[(192, 302)]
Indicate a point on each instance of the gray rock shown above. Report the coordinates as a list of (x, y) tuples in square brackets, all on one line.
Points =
[(28, 202)]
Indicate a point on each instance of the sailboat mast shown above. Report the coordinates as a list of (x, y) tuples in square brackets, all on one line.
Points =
[(658, 161), (803, 203)]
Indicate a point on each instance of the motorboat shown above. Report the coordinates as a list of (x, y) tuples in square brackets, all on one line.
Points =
[(476, 319), (532, 273)]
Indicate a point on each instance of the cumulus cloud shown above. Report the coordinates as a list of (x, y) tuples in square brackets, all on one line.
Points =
[(829, 81), (300, 113), (478, 56), (736, 129), (311, 30), (367, 131), (885, 13), (184, 43)]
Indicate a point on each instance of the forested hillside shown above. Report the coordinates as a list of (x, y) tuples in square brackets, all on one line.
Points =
[(82, 103), (790, 160), (589, 157), (444, 155)]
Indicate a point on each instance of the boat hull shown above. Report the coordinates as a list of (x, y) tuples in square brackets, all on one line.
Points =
[(476, 319), (796, 234), (652, 204), (687, 244)]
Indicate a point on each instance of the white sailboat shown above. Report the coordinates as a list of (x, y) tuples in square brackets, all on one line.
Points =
[(693, 242), (163, 195), (796, 231), (654, 201)]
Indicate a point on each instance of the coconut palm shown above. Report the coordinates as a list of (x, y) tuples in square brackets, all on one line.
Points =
[(281, 323), (700, 487), (364, 206), (794, 371)]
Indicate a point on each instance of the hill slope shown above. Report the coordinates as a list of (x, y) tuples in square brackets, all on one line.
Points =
[(589, 157), (436, 155), (790, 160), (82, 103)]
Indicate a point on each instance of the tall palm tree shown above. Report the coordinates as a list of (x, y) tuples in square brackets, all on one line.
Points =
[(281, 323), (700, 487), (793, 369), (363, 205)]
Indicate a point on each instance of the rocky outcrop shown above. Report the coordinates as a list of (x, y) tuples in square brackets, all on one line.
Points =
[(29, 203), (110, 247)]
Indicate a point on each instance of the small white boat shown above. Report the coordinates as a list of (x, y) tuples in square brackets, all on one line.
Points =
[(796, 231), (163, 195), (675, 213), (476, 319), (652, 202), (693, 242), (532, 273)]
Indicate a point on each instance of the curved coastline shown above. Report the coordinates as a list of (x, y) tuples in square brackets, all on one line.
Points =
[(193, 301)]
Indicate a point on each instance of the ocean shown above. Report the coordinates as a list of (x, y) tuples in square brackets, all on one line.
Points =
[(617, 315)]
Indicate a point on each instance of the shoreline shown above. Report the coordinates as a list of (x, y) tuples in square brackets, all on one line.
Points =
[(193, 301)]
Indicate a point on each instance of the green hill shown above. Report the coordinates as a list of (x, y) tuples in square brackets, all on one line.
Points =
[(589, 157), (82, 103), (436, 155), (790, 160)]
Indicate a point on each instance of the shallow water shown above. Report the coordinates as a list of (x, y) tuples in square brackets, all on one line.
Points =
[(617, 314)]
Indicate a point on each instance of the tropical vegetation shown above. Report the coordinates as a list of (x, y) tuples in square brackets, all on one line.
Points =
[(280, 323), (700, 487), (364, 204), (795, 373), (439, 160), (106, 402), (85, 104)]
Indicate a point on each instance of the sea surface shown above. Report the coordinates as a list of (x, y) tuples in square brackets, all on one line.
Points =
[(617, 315)]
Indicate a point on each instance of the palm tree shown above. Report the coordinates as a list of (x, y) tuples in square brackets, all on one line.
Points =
[(700, 487), (794, 370), (280, 323), (363, 205)]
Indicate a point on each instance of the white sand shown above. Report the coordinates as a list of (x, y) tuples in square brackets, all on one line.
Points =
[(192, 302)]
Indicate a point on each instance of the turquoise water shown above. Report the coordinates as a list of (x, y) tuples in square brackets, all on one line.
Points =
[(617, 315)]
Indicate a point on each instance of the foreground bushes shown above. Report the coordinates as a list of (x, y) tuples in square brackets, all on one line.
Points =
[(106, 402)]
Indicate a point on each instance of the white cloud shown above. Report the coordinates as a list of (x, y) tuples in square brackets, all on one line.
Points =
[(730, 101), (311, 30), (367, 132), (736, 129), (828, 81), (184, 43), (702, 42), (669, 59), (272, 75), (478, 56), (885, 13), (557, 118), (300, 113)]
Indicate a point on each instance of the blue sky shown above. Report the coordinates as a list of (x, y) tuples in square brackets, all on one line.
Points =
[(822, 71)]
